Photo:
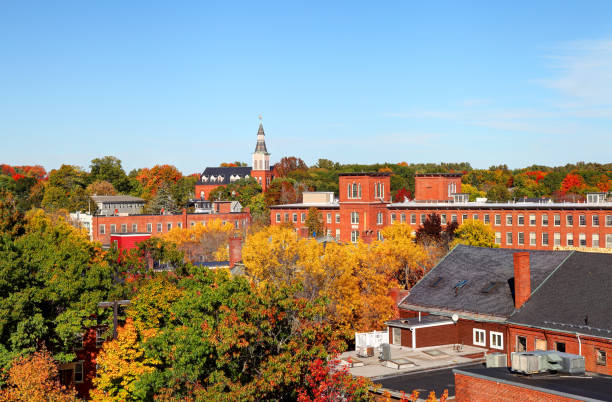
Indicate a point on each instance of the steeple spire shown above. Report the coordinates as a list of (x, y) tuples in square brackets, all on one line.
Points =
[(260, 147)]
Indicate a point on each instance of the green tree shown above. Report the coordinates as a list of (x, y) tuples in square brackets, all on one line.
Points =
[(475, 233), (163, 200), (109, 169), (314, 223), (499, 193)]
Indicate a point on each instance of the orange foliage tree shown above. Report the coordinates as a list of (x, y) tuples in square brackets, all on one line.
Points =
[(151, 179), (572, 183)]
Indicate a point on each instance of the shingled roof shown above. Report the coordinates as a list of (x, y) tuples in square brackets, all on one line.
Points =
[(575, 299), (261, 143), (478, 282), (225, 173)]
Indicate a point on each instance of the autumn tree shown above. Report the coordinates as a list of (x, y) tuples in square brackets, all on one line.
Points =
[(101, 187), (288, 165), (35, 377), (162, 202), (202, 242), (314, 223), (475, 233), (572, 183), (109, 169), (328, 382)]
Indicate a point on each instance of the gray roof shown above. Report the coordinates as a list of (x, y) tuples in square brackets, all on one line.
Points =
[(415, 322), (261, 145), (116, 199), (480, 267), (575, 299), (540, 204), (226, 173)]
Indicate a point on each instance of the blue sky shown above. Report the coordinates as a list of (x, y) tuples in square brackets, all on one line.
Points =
[(356, 82)]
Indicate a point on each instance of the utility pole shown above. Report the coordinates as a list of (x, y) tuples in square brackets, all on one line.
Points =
[(115, 305)]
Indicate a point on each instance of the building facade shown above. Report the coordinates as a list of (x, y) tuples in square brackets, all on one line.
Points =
[(364, 208)]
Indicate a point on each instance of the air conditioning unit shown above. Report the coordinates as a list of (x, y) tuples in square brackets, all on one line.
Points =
[(547, 360), (570, 363), (496, 360), (385, 352), (527, 363)]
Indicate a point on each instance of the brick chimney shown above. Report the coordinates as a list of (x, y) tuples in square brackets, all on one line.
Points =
[(522, 278), (235, 251)]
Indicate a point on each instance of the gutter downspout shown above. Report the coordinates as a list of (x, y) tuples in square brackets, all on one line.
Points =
[(413, 330), (579, 344)]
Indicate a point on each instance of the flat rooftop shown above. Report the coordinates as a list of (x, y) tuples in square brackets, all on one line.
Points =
[(592, 387), (500, 205)]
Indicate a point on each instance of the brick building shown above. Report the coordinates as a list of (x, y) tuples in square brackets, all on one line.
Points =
[(513, 301), (214, 177), (364, 207)]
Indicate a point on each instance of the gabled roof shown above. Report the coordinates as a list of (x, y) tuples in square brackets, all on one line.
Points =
[(575, 299), (116, 198), (225, 172), (488, 290)]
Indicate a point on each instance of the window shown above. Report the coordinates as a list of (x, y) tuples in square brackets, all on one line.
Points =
[(497, 219), (520, 220), (379, 218), (328, 232), (443, 219), (582, 240), (303, 217), (581, 220), (78, 341), (337, 234), (100, 337), (454, 218), (497, 238), (193, 224), (508, 220), (569, 220), (337, 218), (532, 239), (557, 239), (402, 218), (393, 217), (113, 228), (557, 220), (413, 219), (379, 190), (150, 227), (608, 220), (159, 227), (134, 227), (294, 216), (422, 220), (544, 220), (168, 227), (278, 218), (463, 218), (123, 228), (532, 220), (354, 218), (354, 190), (286, 216), (475, 217), (379, 235), (609, 241), (354, 236), (560, 346), (595, 241), (521, 238), (329, 217), (452, 188), (486, 219), (497, 340), (102, 229), (545, 239), (78, 372), (600, 357), (237, 224), (521, 343), (595, 220), (509, 238), (479, 337), (540, 344), (397, 336), (570, 239)]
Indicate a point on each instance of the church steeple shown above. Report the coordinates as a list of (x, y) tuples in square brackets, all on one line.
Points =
[(261, 156), (261, 140)]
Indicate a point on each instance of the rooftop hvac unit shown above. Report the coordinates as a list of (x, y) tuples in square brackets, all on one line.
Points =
[(547, 360), (496, 360), (571, 364), (385, 352)]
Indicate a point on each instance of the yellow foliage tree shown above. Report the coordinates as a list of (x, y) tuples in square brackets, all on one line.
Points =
[(202, 242), (120, 363), (475, 233)]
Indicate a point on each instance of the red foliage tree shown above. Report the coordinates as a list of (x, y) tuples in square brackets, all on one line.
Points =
[(152, 179), (572, 183), (402, 194), (328, 382)]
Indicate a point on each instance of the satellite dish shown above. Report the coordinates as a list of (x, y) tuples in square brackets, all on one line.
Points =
[(455, 318)]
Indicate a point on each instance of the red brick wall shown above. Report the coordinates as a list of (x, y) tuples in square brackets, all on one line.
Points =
[(434, 188), (472, 389), (587, 347), (438, 335), (263, 177), (205, 189), (287, 216), (465, 333), (128, 242)]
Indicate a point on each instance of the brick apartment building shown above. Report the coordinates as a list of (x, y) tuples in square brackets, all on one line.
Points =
[(364, 207), (507, 301), (214, 177)]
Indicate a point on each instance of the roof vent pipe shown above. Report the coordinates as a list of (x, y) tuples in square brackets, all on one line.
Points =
[(522, 279)]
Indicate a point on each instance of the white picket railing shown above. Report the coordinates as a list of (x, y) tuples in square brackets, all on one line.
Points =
[(371, 339)]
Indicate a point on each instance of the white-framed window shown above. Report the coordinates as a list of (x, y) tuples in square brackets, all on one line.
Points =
[(150, 227), (379, 190), (608, 220), (486, 219), (354, 218), (78, 372), (278, 217), (452, 189), (422, 219), (532, 220), (328, 232), (545, 239), (497, 238), (609, 241), (303, 217), (544, 220), (569, 220), (294, 216), (397, 336), (454, 218), (595, 220), (443, 219), (496, 340), (520, 220), (379, 218), (354, 236), (557, 220), (337, 234), (159, 227), (379, 235), (329, 217), (354, 190), (413, 219), (532, 239), (508, 220), (509, 238), (595, 241), (464, 218), (497, 219), (286, 216), (581, 220), (582, 240), (102, 229), (521, 238), (169, 227), (134, 227), (337, 218), (113, 228), (179, 225), (557, 239), (479, 337), (393, 218), (475, 217), (403, 218), (124, 228), (570, 239)]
